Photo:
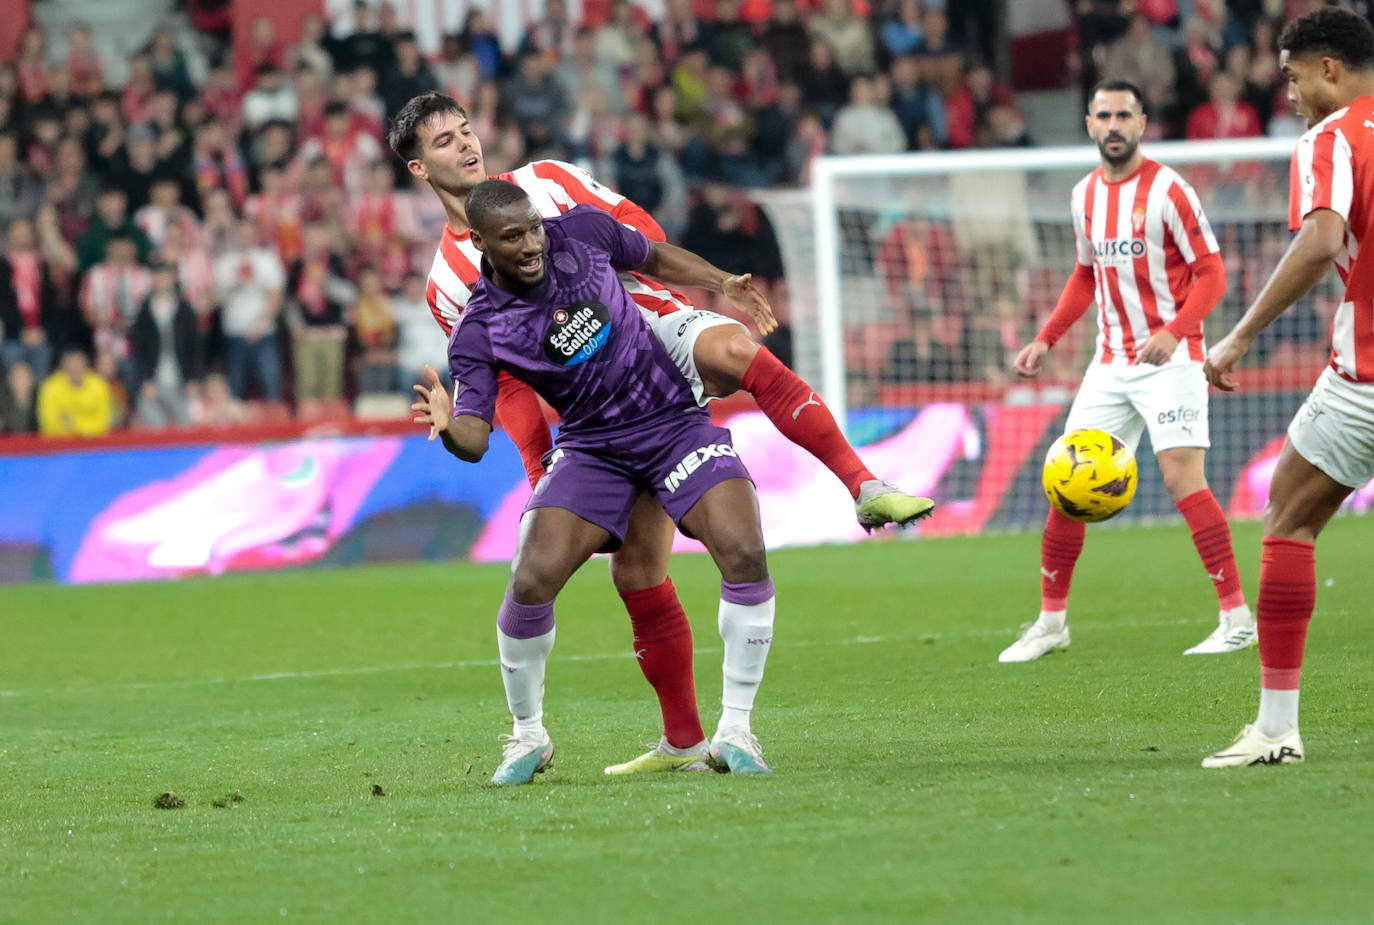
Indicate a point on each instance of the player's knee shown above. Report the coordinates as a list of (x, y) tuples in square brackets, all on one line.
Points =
[(637, 569), (534, 581), (740, 351), (742, 559)]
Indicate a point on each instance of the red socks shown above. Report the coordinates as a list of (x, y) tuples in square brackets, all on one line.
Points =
[(1287, 594), (1212, 537), (663, 646), (1060, 547), (799, 415)]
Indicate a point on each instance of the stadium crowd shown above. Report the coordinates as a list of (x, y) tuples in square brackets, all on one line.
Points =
[(181, 250)]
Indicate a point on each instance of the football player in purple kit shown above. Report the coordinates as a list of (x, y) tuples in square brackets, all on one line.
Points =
[(550, 310)]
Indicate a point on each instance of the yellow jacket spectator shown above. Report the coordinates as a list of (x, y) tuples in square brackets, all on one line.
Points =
[(74, 401)]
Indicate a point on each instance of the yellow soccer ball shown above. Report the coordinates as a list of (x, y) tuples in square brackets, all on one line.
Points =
[(1089, 475)]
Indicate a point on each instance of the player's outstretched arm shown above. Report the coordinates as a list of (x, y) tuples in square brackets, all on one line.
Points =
[(1073, 302), (465, 436), (1308, 258), (678, 267)]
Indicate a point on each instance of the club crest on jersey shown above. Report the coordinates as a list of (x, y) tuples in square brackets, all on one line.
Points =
[(577, 332), (1138, 220)]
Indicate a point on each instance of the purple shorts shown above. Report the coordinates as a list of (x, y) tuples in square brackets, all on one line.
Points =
[(676, 464)]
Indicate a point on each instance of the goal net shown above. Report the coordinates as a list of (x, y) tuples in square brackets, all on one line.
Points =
[(913, 280)]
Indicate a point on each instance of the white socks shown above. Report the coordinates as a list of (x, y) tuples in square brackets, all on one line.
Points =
[(747, 630), (522, 671), (1278, 712)]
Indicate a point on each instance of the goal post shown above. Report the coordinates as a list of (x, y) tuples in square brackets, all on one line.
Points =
[(913, 278)]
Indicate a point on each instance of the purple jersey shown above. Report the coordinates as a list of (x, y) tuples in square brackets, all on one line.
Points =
[(577, 339)]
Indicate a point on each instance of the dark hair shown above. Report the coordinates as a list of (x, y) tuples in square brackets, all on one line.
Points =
[(336, 108), (404, 134), (489, 197), (1116, 85), (1332, 33)]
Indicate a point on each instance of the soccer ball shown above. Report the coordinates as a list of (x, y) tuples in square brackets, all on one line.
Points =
[(1089, 475)]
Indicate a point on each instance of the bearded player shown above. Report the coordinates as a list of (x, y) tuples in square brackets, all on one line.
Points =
[(1148, 258), (1328, 58)]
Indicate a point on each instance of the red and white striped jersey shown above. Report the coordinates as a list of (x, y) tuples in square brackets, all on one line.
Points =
[(554, 187), (1141, 237), (1333, 168)]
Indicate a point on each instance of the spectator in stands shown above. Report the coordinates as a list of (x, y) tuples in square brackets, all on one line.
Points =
[(111, 220), (272, 99), (139, 169), (139, 88), (164, 209), (418, 342), (105, 139), (484, 45), (902, 31), (60, 98), (727, 38), (917, 357), (74, 401), (918, 263), (786, 40), (195, 269), (1195, 61), (847, 34), (1225, 115), (537, 105), (168, 63), (1145, 61), (20, 190), (375, 327), (774, 126), (218, 164), (366, 45), (215, 405), (111, 292), (379, 218), (941, 56), (249, 280), (30, 315), (920, 109), (585, 67), (44, 134), (261, 48), (277, 211), (666, 129), (616, 40), (32, 65), (310, 51), (645, 175), (367, 111), (824, 86), (18, 400), (968, 111), (592, 131), (273, 145), (112, 370), (410, 76), (173, 140), (457, 70), (319, 296), (348, 149), (807, 143), (552, 35), (311, 100), (866, 125), (83, 62), (219, 225), (168, 353)]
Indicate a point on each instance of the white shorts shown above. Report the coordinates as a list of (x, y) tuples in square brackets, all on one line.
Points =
[(1170, 400), (1334, 429), (679, 332)]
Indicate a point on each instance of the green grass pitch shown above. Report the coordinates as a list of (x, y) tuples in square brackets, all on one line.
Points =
[(916, 779)]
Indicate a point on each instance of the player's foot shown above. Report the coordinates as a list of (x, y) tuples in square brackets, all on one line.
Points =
[(664, 757), (522, 758), (1235, 632), (737, 750), (1253, 747), (882, 503), (1036, 639)]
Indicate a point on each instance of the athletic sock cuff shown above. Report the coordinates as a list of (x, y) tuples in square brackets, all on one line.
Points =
[(748, 593)]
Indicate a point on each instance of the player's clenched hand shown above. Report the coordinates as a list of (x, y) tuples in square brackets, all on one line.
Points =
[(1157, 349), (1028, 360), (1222, 360), (433, 407), (745, 296)]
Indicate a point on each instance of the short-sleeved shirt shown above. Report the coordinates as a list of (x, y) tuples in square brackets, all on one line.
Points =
[(1141, 237), (577, 338), (1333, 168)]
